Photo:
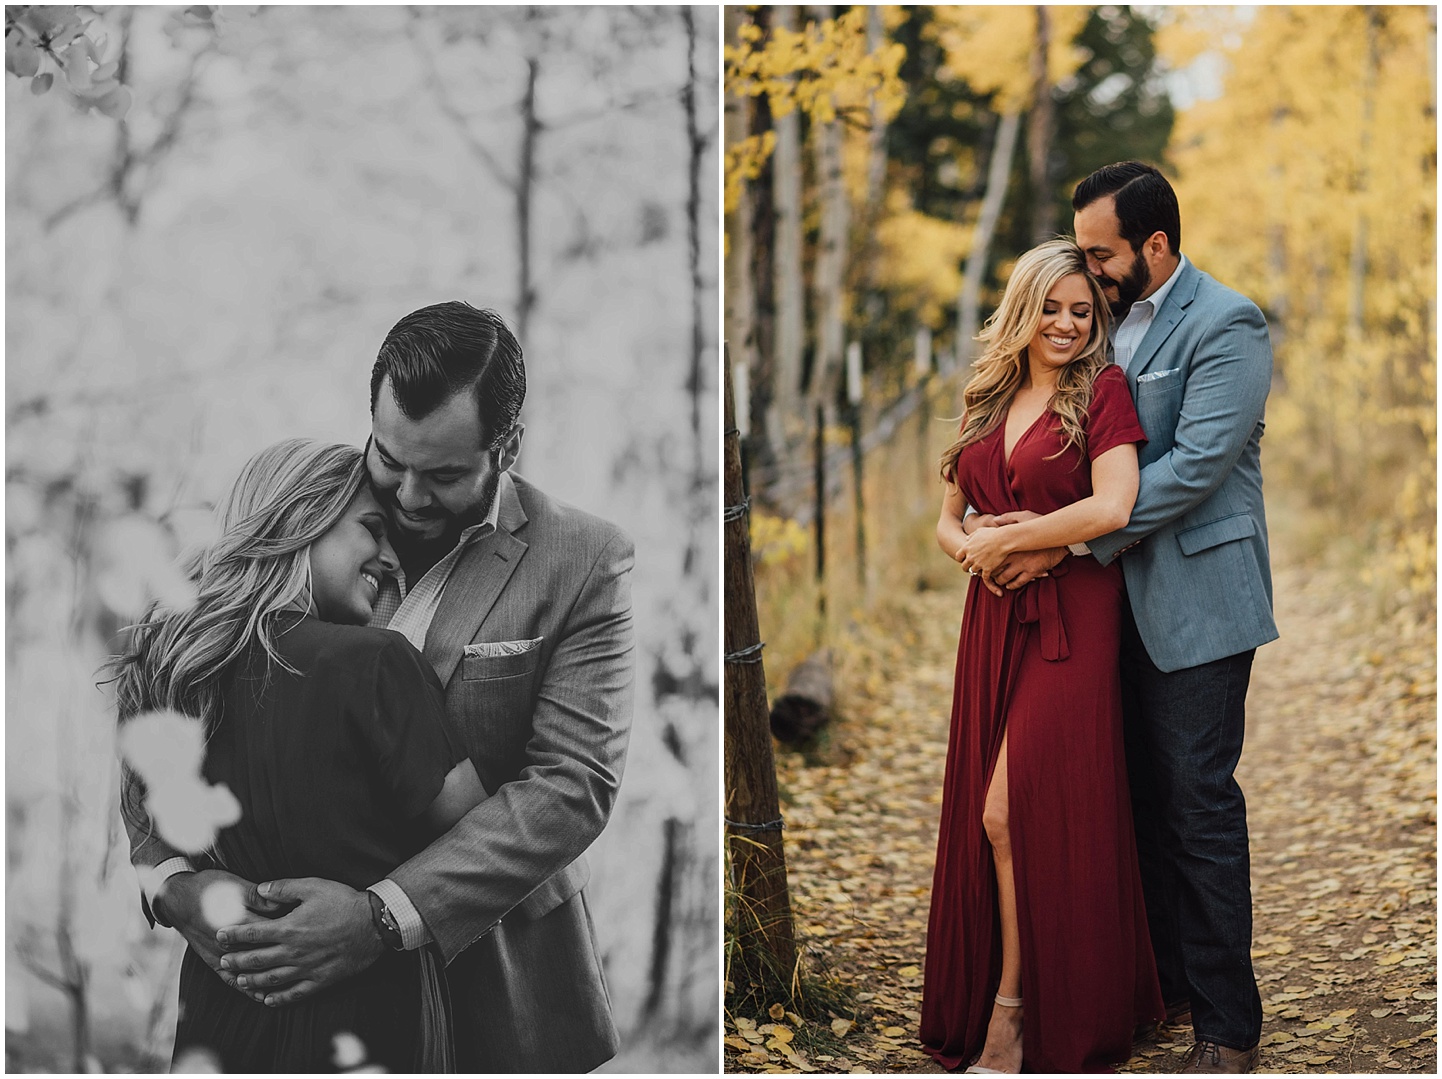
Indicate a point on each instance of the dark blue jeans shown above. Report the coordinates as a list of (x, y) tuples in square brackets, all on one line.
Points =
[(1183, 738)]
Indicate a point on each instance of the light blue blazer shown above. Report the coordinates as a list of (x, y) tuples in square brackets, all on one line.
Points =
[(1199, 579)]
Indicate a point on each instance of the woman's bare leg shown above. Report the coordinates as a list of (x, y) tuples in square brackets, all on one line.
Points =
[(1002, 1051)]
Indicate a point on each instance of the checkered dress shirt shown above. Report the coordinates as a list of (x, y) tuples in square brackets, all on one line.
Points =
[(409, 611)]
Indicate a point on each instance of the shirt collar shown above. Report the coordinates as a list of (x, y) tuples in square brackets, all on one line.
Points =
[(1156, 298), (488, 525)]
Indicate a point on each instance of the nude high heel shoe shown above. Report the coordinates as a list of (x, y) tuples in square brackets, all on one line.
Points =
[(977, 1069)]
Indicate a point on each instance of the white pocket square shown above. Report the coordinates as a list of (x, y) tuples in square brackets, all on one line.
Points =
[(502, 648), (1152, 376)]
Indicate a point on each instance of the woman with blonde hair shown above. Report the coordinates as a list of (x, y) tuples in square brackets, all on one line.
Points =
[(333, 738), (1037, 948)]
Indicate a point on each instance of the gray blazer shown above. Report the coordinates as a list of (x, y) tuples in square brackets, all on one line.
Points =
[(1199, 578), (547, 730)]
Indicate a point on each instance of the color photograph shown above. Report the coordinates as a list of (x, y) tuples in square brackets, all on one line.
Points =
[(1079, 527)]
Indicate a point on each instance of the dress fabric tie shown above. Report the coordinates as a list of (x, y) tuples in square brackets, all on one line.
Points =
[(1039, 602)]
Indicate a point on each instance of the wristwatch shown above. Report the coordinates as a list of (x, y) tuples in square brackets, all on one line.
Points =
[(386, 924)]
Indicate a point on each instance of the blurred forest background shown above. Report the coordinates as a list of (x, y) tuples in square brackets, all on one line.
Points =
[(886, 165), (213, 217)]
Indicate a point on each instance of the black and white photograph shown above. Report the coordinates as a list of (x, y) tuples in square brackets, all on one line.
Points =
[(362, 539)]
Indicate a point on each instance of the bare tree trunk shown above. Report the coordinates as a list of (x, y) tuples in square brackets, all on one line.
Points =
[(789, 282), (696, 377), (762, 904), (830, 304), (525, 181), (998, 173), (1039, 133), (740, 296)]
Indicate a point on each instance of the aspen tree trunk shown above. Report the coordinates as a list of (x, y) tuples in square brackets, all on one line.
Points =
[(830, 259), (789, 283), (1039, 131), (525, 182), (998, 173), (762, 904), (740, 297)]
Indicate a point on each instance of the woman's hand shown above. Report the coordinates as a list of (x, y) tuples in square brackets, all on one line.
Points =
[(1015, 517), (984, 551)]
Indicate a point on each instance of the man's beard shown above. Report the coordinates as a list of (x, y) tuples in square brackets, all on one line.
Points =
[(408, 544), (1131, 287)]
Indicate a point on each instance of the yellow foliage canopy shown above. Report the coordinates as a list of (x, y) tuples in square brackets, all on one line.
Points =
[(827, 69), (920, 257), (1310, 185), (989, 48)]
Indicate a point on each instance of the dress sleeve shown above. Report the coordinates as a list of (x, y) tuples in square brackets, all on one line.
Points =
[(405, 728), (1112, 418)]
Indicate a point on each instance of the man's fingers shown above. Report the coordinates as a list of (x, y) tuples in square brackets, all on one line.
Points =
[(259, 903), (251, 934), (298, 991), (260, 959), (272, 979)]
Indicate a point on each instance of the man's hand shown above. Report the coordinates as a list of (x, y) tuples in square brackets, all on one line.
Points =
[(327, 937), (185, 898), (1023, 567)]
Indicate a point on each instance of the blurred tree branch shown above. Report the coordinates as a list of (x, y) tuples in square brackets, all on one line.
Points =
[(128, 160)]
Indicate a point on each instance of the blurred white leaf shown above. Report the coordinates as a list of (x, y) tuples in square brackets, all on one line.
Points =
[(41, 83), (116, 103), (21, 57), (350, 1051), (188, 812), (76, 61), (93, 1065), (163, 745), (222, 903), (196, 1061)]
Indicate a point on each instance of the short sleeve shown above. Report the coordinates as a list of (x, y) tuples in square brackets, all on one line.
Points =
[(406, 729), (1112, 417)]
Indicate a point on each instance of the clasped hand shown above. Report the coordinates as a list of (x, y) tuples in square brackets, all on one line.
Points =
[(299, 935), (989, 553)]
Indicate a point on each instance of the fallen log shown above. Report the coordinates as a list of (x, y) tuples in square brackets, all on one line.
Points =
[(805, 707)]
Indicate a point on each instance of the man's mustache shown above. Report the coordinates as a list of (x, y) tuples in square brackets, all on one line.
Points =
[(434, 513)]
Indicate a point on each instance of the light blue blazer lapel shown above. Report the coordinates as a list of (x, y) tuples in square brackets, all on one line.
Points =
[(1174, 309), (475, 584)]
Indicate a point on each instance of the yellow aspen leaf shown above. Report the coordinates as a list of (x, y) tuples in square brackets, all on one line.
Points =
[(776, 1011), (841, 1027)]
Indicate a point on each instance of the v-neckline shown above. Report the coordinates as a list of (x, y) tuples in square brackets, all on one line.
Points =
[(1007, 456)]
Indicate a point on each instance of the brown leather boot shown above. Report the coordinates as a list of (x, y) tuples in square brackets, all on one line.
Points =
[(1210, 1058)]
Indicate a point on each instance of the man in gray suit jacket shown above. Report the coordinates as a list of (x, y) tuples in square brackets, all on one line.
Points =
[(522, 605), (1194, 555)]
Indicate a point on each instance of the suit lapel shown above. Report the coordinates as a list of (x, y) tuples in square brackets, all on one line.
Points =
[(474, 585), (1172, 312)]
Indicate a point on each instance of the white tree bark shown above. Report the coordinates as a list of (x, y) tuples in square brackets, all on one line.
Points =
[(789, 283), (968, 304), (830, 259)]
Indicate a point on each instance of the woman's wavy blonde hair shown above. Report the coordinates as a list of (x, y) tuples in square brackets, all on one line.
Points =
[(1003, 364), (286, 497)]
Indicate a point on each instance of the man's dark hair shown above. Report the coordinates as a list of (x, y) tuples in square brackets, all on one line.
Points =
[(434, 353), (1145, 201)]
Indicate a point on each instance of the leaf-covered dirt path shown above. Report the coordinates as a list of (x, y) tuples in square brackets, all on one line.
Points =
[(1339, 773)]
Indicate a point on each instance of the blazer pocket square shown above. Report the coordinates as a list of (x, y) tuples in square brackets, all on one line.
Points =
[(1152, 376), (489, 649)]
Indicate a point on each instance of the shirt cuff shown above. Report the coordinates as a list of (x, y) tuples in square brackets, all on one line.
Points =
[(414, 933), (1078, 549), (152, 880)]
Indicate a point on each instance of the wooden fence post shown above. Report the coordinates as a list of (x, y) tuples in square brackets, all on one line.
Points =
[(765, 940)]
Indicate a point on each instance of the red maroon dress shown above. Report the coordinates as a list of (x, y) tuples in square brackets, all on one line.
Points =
[(1040, 664)]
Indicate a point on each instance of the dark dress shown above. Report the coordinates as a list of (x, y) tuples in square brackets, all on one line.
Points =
[(1040, 665), (333, 767)]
